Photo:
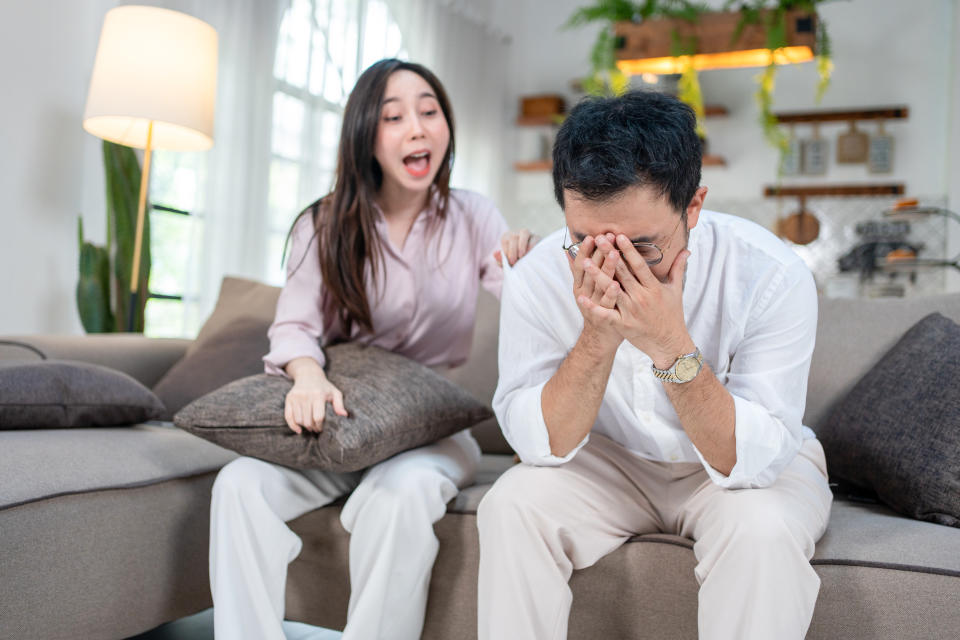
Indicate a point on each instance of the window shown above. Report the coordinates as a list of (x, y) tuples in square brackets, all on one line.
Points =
[(175, 179), (322, 47)]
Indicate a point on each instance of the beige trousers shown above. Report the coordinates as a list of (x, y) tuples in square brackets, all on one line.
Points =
[(753, 546)]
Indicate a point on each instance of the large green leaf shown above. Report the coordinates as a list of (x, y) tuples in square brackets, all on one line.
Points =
[(122, 170), (93, 287)]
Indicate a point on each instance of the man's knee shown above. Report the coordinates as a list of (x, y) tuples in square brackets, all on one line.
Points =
[(515, 497), (760, 520)]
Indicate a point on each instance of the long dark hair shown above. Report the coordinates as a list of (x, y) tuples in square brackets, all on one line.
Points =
[(345, 219)]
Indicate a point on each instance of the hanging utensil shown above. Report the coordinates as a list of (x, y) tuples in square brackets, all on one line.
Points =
[(852, 146)]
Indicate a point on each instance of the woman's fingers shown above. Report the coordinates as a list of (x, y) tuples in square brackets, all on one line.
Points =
[(288, 416), (318, 409), (338, 407)]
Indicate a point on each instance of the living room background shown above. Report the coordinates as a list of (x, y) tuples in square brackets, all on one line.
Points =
[(488, 53)]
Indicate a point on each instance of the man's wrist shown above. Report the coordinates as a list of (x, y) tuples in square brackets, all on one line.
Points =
[(598, 342), (665, 356)]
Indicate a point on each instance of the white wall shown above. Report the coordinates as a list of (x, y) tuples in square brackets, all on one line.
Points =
[(50, 168), (886, 52), (952, 172)]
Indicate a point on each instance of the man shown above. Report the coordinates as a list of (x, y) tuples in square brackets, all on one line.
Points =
[(653, 377)]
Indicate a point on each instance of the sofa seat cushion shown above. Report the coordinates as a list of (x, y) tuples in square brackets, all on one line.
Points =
[(40, 464), (858, 534)]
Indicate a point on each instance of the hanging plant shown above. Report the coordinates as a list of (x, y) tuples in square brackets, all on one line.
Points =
[(607, 79)]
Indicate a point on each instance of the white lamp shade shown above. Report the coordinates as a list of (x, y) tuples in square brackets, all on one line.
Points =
[(153, 64)]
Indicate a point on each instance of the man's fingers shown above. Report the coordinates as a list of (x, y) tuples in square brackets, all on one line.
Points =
[(639, 266), (598, 314), (675, 277), (610, 296), (601, 281), (288, 416), (631, 286)]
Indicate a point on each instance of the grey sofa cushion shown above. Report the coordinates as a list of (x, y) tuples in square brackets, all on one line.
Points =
[(235, 351), (394, 404), (61, 393), (898, 431), (40, 464)]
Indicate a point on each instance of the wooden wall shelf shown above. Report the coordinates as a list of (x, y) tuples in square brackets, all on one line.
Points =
[(537, 165), (710, 110), (535, 121), (882, 113), (835, 190), (547, 165)]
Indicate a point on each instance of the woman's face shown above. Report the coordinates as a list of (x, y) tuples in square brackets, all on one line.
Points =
[(412, 135)]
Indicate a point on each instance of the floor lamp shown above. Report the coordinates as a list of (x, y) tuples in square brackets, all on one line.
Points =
[(153, 87)]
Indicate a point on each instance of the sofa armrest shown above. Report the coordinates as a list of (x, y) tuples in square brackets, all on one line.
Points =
[(146, 359)]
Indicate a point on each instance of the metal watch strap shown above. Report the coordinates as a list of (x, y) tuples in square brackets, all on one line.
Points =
[(670, 375)]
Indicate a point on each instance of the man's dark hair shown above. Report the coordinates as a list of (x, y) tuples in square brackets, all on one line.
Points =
[(642, 138)]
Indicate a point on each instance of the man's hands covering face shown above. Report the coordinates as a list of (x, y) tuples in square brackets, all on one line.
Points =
[(621, 299), (594, 284)]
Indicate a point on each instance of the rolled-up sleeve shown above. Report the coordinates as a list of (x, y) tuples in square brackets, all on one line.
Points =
[(529, 355), (298, 325), (768, 381)]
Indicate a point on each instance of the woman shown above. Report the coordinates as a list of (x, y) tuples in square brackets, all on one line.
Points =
[(392, 257)]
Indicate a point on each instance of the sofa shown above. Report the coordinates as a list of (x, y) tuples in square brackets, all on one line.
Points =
[(103, 531)]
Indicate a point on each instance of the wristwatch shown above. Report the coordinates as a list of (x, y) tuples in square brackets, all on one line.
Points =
[(684, 369)]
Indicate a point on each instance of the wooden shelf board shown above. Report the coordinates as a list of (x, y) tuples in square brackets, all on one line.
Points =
[(715, 110), (711, 160), (537, 165), (535, 121), (881, 113), (835, 190)]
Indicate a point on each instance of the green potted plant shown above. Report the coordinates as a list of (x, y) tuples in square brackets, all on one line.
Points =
[(103, 292), (771, 15)]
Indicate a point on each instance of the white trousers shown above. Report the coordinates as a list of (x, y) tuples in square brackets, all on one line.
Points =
[(753, 546), (390, 517)]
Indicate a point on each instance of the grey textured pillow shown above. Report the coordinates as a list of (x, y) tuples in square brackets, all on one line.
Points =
[(235, 351), (394, 404), (63, 393), (898, 430)]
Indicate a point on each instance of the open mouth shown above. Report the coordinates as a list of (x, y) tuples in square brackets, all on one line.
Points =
[(417, 164)]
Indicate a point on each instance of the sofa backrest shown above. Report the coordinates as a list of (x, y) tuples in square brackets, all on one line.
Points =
[(853, 334), (146, 359)]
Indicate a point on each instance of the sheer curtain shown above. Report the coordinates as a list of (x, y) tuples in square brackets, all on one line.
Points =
[(224, 189), (240, 194)]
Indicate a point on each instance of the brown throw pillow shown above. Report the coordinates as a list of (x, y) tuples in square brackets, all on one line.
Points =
[(234, 352), (897, 432), (394, 404), (54, 394), (229, 346)]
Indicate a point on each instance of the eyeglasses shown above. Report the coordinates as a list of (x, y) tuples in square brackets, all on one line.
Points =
[(651, 253)]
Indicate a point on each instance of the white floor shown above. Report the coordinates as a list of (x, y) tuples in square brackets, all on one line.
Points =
[(200, 627)]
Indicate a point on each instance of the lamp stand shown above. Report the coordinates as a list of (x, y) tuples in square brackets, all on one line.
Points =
[(138, 238)]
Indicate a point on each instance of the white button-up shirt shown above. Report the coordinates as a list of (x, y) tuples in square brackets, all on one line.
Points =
[(750, 305)]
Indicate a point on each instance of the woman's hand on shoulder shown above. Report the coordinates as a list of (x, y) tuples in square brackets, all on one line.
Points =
[(306, 403), (514, 245)]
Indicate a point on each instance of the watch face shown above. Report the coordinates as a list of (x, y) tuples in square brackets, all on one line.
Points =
[(688, 368)]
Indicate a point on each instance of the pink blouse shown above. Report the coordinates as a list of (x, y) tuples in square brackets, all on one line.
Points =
[(424, 302)]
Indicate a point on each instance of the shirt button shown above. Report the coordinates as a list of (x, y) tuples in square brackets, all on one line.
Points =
[(674, 457)]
